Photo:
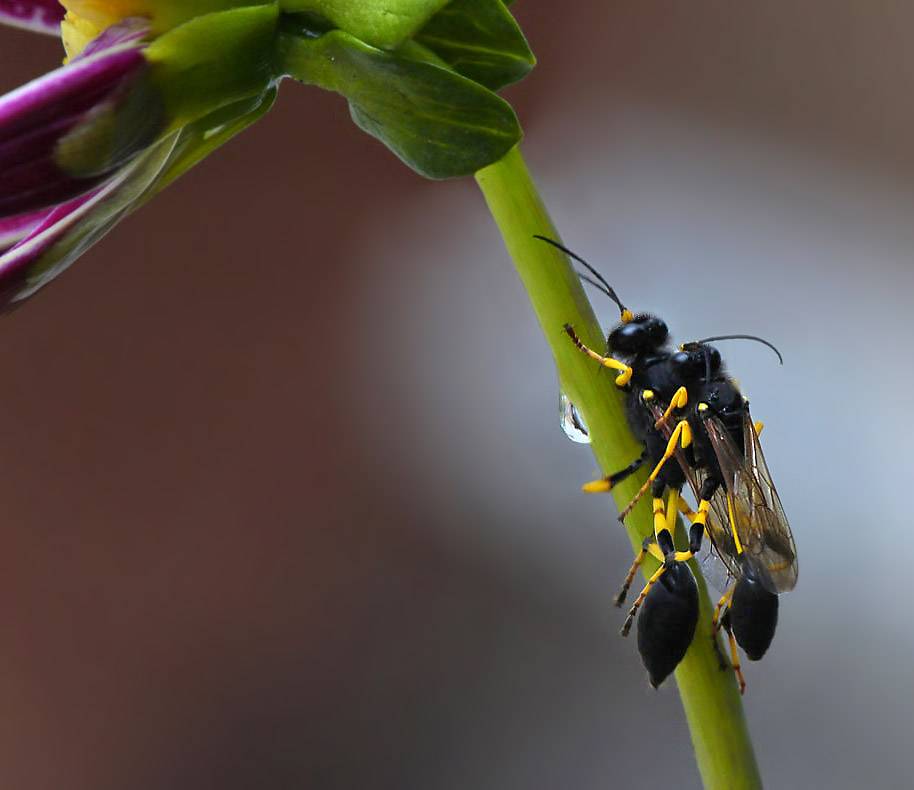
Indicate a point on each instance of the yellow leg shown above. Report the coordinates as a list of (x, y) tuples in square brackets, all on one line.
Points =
[(734, 658), (627, 625), (672, 511), (715, 625), (648, 547), (701, 517), (682, 436), (625, 372), (695, 517), (679, 400), (736, 540), (721, 605), (686, 511), (659, 517), (606, 484)]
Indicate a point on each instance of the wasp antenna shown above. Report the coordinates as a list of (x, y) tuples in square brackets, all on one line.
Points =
[(606, 287), (745, 337), (599, 286)]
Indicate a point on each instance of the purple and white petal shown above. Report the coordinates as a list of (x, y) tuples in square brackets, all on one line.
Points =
[(66, 232), (15, 229), (41, 16), (37, 116), (70, 229)]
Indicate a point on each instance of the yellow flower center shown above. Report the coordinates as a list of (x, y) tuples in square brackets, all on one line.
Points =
[(85, 19)]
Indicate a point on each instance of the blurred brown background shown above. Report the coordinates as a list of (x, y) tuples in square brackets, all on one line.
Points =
[(284, 499)]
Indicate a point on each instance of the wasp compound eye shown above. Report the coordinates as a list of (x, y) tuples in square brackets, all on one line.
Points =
[(666, 624), (629, 338), (657, 330), (753, 615)]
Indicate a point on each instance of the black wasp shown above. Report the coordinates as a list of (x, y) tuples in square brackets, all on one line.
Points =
[(681, 404)]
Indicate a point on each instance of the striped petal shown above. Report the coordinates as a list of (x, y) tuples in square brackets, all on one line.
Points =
[(70, 229), (60, 236), (15, 229), (42, 116), (41, 16)]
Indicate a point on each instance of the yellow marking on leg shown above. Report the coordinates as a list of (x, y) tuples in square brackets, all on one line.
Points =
[(627, 625), (701, 517), (647, 395), (679, 401), (686, 511), (734, 658), (672, 511), (625, 373), (669, 524), (736, 541), (630, 577), (724, 601), (682, 435), (659, 517), (601, 486)]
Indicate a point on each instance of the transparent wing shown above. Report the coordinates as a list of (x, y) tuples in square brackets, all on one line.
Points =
[(717, 572), (759, 518)]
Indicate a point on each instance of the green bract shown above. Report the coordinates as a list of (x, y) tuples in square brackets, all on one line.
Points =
[(430, 100), (438, 122), (153, 86), (480, 40), (215, 60)]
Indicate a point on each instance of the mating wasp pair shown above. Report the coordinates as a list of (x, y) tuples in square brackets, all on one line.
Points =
[(682, 406)]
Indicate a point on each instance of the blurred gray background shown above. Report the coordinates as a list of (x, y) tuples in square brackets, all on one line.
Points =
[(285, 502)]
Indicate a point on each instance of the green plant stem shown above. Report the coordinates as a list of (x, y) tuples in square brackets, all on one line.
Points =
[(710, 697)]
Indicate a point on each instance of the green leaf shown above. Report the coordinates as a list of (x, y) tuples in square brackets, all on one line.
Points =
[(381, 23), (480, 40), (439, 123)]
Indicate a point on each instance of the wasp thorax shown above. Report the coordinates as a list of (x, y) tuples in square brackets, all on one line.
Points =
[(642, 334), (724, 399)]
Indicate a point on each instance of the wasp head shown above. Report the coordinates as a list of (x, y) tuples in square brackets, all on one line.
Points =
[(696, 362), (641, 334)]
